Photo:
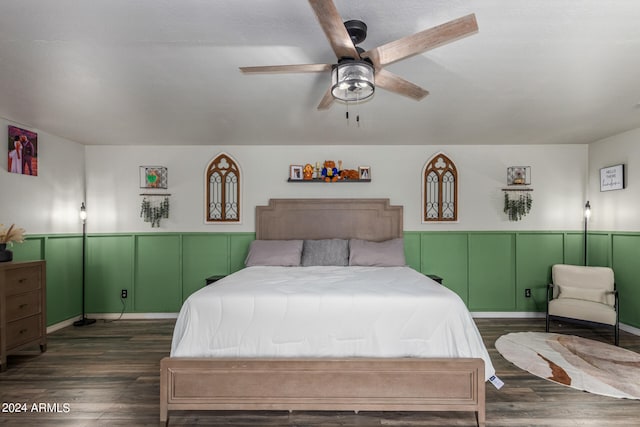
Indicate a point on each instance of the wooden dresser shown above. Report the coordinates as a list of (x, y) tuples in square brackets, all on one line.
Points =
[(22, 307)]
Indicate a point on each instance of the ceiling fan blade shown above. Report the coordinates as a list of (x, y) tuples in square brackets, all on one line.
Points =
[(327, 100), (423, 41), (334, 29), (297, 68), (396, 84)]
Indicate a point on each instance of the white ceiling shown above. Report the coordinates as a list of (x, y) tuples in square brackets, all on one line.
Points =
[(166, 72)]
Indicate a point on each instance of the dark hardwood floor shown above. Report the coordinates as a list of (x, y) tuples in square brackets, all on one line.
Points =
[(107, 374)]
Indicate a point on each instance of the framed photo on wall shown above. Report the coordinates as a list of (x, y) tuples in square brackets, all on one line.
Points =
[(23, 151), (612, 178)]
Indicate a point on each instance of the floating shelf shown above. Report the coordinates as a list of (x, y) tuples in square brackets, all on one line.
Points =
[(323, 181), (517, 188)]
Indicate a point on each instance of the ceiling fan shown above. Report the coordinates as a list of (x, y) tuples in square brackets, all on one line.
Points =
[(358, 72)]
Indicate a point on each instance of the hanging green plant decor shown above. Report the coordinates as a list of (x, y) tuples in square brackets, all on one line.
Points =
[(153, 212), (517, 206)]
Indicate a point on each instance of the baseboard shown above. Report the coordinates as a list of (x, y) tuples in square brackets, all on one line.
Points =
[(630, 329), (60, 325), (534, 315), (147, 316), (132, 316), (507, 314), (112, 316)]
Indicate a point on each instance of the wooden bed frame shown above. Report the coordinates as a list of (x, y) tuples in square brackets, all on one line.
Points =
[(354, 384)]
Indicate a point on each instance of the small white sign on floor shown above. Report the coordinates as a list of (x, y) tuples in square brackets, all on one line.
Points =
[(497, 382)]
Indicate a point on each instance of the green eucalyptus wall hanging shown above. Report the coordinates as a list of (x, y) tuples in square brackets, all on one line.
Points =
[(518, 204), (153, 210), (517, 197)]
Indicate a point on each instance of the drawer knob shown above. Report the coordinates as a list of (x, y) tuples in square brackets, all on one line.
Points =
[(22, 306), (22, 331)]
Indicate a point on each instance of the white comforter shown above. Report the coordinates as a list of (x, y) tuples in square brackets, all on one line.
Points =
[(327, 312)]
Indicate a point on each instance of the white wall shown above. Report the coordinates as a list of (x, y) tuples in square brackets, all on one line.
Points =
[(49, 202), (558, 179), (615, 210)]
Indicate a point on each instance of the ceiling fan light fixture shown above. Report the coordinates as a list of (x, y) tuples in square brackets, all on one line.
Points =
[(352, 80)]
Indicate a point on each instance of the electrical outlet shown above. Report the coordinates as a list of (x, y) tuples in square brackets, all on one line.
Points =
[(123, 294), (527, 293)]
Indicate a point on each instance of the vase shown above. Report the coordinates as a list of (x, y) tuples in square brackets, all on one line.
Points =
[(5, 254)]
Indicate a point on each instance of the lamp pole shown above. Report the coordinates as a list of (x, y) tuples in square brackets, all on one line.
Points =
[(83, 217), (587, 214)]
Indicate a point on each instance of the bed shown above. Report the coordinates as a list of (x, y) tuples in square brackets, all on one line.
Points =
[(329, 337)]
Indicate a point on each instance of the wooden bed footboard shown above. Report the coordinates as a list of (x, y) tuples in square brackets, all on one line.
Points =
[(377, 384)]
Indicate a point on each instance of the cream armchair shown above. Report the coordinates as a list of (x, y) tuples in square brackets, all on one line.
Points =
[(584, 294)]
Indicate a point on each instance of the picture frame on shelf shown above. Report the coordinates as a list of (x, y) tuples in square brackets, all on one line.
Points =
[(364, 172), (154, 177), (295, 172), (519, 175), (612, 178)]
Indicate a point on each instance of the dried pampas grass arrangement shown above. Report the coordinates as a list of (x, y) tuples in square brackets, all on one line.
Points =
[(11, 235)]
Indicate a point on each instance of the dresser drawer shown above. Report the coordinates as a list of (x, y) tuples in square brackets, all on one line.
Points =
[(23, 305), (21, 280), (23, 331)]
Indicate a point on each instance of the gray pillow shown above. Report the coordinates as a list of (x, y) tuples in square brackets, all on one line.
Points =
[(325, 252), (389, 253), (284, 253)]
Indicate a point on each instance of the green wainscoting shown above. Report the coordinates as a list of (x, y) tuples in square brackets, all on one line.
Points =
[(64, 271), (446, 254), (492, 272), (158, 270), (625, 252), (238, 250), (158, 284), (31, 249), (599, 249), (64, 282), (489, 270), (204, 255), (535, 254), (110, 268), (412, 242), (573, 249)]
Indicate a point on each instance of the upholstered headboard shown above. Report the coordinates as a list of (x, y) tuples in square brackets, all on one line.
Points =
[(367, 219)]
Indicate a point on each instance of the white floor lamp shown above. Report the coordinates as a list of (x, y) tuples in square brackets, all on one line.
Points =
[(83, 216)]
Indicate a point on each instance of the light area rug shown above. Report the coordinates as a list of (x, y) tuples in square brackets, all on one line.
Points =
[(576, 362)]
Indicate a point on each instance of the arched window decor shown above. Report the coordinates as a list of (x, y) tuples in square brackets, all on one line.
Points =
[(222, 190), (440, 190)]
